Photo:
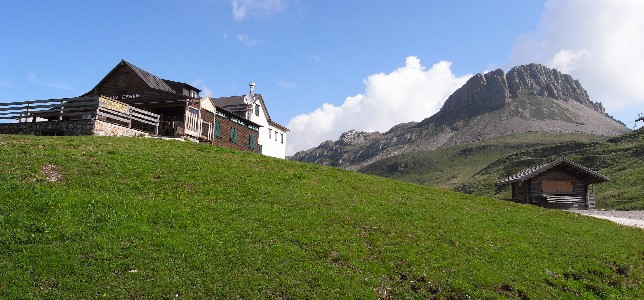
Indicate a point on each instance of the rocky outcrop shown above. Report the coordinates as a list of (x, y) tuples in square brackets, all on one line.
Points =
[(491, 91), (480, 94), (529, 98), (353, 137), (341, 152), (535, 79)]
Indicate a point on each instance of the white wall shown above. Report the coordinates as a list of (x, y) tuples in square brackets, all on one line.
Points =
[(272, 139)]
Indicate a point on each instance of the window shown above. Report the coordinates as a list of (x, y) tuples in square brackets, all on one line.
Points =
[(276, 135), (233, 135), (282, 137), (251, 142), (260, 149), (269, 133), (217, 129), (257, 110)]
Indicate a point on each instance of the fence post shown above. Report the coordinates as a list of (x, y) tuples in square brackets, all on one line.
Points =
[(33, 119), (97, 108), (199, 124), (129, 115), (156, 126)]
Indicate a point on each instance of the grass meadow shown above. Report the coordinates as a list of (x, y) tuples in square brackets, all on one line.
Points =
[(130, 218)]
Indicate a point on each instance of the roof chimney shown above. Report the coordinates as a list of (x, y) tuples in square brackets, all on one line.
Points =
[(252, 88)]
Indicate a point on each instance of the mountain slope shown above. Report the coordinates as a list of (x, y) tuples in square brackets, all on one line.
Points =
[(530, 98), (474, 168), (620, 158), (124, 218), (449, 167)]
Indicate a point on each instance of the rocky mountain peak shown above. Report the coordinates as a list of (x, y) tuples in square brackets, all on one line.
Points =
[(493, 90), (353, 136), (535, 79), (528, 98), (481, 93)]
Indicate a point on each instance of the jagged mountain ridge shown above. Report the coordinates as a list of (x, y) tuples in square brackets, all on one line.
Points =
[(529, 98)]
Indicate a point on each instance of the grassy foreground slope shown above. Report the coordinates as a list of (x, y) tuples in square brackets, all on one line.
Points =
[(96, 217)]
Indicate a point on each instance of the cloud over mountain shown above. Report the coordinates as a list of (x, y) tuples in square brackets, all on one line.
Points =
[(599, 42), (409, 93)]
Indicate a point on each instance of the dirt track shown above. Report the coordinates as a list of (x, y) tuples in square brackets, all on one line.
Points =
[(628, 218)]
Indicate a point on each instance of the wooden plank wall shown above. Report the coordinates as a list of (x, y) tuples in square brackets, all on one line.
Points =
[(133, 85), (243, 135), (556, 181)]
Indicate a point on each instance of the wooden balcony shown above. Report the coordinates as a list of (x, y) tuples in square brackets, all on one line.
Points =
[(80, 108)]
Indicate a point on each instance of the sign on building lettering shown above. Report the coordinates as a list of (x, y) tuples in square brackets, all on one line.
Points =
[(126, 96), (113, 104)]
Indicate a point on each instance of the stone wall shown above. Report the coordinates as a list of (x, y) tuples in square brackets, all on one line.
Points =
[(69, 128), (102, 128), (84, 127)]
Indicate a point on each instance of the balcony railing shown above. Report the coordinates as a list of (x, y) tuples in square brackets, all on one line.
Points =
[(80, 108)]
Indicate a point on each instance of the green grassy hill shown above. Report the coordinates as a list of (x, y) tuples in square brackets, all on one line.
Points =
[(114, 218)]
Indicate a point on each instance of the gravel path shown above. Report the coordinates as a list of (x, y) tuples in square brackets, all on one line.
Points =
[(629, 218)]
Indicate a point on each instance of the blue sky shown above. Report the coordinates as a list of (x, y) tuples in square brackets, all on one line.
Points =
[(324, 67)]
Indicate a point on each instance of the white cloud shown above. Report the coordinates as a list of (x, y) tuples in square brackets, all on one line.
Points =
[(50, 84), (600, 43), (247, 41), (568, 60), (244, 8), (205, 90), (287, 84), (409, 93)]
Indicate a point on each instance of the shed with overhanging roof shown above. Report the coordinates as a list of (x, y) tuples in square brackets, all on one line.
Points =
[(557, 184)]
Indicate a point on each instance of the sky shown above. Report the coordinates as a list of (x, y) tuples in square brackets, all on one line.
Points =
[(324, 67)]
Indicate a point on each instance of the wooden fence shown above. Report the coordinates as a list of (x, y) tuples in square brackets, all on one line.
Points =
[(563, 199), (46, 110), (112, 110), (207, 130), (192, 123), (80, 108), (196, 127)]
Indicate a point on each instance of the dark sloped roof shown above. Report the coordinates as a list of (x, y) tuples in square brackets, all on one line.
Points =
[(152, 80), (178, 86), (234, 104), (532, 172), (230, 113), (228, 101), (237, 105)]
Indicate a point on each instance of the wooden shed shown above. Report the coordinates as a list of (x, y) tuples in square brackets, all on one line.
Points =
[(558, 184)]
